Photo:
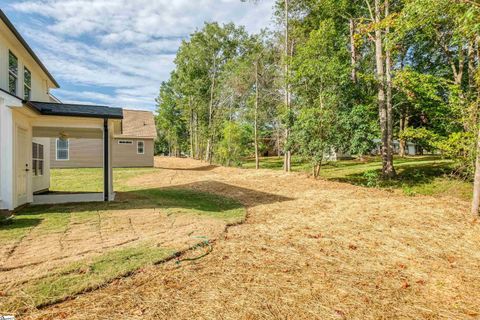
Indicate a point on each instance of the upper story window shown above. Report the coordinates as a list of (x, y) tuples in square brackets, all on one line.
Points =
[(140, 147), (27, 84), (37, 159), (62, 149), (12, 73)]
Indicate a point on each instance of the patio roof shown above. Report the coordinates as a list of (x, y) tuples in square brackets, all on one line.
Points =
[(75, 110)]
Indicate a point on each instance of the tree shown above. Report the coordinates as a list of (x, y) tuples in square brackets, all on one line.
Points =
[(170, 123), (321, 70)]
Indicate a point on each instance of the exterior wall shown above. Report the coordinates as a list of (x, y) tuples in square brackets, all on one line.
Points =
[(125, 155), (83, 153), (6, 153), (42, 182), (40, 81), (88, 153)]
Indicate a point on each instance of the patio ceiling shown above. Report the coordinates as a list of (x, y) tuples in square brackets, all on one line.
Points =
[(68, 133)]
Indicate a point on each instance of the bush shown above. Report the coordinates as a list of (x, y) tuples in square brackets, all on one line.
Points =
[(460, 147), (372, 178)]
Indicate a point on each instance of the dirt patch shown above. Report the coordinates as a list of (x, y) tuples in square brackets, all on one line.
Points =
[(309, 250)]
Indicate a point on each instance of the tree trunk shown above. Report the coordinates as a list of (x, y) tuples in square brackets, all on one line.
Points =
[(471, 65), (255, 128), (192, 151), (382, 106), (197, 146), (476, 184), (389, 170), (287, 154), (277, 140), (316, 170), (353, 51), (403, 126), (210, 113)]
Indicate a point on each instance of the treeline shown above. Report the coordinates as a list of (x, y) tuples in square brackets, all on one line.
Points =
[(333, 76)]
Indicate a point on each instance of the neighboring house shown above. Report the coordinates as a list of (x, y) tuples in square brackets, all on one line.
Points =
[(410, 147), (30, 116), (133, 147)]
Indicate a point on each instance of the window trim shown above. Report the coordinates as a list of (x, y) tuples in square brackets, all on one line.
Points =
[(25, 85), (143, 147), (38, 159), (67, 149), (11, 73)]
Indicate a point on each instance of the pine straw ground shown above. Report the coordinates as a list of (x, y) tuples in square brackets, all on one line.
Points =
[(309, 250)]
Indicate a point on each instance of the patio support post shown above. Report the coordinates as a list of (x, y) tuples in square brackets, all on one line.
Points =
[(106, 162)]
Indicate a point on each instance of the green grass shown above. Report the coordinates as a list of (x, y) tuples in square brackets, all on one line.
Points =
[(91, 179), (54, 218), (422, 175), (86, 275)]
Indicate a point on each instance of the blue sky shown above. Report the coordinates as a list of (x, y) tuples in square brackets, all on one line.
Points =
[(117, 52)]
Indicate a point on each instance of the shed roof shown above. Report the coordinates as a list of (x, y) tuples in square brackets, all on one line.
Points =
[(75, 110), (138, 123)]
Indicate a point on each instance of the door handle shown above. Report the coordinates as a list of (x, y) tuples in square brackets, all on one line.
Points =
[(27, 170)]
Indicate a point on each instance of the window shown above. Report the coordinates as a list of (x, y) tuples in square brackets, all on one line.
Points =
[(140, 147), (27, 84), (125, 142), (12, 73), (38, 159), (62, 149)]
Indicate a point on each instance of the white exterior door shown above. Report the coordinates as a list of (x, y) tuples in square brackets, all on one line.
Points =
[(22, 166)]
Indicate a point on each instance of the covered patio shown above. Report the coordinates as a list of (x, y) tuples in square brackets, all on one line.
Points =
[(70, 121)]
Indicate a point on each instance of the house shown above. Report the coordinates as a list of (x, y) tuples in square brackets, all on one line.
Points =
[(410, 147), (30, 116), (132, 147)]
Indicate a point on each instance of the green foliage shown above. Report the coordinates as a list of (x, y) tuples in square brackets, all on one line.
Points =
[(372, 178), (362, 128), (234, 144), (224, 76), (320, 71), (460, 146), (170, 122), (422, 137)]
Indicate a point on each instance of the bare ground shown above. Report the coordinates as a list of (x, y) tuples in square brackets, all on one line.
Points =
[(309, 250)]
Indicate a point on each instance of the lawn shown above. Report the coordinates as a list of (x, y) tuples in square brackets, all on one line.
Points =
[(91, 179), (422, 175), (50, 253)]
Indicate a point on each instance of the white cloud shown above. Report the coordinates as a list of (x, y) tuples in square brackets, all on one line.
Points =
[(122, 46)]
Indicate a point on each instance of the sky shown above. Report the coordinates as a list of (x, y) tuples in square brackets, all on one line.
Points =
[(117, 52)]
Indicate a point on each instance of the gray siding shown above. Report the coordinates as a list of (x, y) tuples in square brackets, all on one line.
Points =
[(125, 155), (83, 153), (88, 153)]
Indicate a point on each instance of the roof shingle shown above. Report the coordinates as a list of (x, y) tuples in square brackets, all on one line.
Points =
[(138, 124)]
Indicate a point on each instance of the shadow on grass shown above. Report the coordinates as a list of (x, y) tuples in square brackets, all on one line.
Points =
[(202, 168), (19, 223), (205, 196), (407, 176)]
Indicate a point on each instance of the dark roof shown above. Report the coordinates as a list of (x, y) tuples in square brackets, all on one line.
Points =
[(75, 110), (10, 26), (12, 95)]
